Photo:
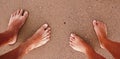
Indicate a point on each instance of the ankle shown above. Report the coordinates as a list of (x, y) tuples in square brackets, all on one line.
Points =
[(12, 30), (102, 38), (26, 47), (10, 33), (89, 50), (92, 54)]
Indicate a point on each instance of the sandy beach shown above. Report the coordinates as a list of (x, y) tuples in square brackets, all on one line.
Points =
[(64, 17)]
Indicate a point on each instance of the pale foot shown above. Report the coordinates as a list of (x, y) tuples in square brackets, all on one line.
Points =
[(41, 37), (101, 31), (17, 20), (79, 44)]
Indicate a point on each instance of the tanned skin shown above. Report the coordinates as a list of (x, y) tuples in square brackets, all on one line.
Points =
[(17, 19), (41, 36), (80, 45), (100, 28), (101, 31)]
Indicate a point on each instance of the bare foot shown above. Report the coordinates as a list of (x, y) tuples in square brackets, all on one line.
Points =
[(100, 28), (17, 20), (101, 31), (105, 43), (41, 37), (79, 44)]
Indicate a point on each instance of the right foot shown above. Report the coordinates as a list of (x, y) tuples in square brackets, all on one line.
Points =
[(17, 20), (101, 31), (41, 37), (79, 44), (100, 28)]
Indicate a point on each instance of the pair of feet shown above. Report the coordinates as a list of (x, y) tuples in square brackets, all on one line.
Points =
[(42, 35), (78, 44)]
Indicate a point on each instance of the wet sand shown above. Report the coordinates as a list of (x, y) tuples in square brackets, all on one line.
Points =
[(64, 17)]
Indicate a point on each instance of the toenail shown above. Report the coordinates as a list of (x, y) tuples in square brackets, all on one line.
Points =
[(45, 25), (26, 12), (72, 35), (94, 21)]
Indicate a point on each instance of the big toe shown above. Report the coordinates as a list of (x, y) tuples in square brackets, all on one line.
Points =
[(44, 27), (76, 37), (98, 23), (95, 22), (25, 14), (47, 32)]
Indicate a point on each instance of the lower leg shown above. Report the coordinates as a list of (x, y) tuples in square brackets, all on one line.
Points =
[(14, 54), (6, 37), (101, 31), (93, 55), (80, 45), (41, 37)]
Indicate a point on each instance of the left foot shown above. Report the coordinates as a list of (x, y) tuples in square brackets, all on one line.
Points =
[(17, 20)]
